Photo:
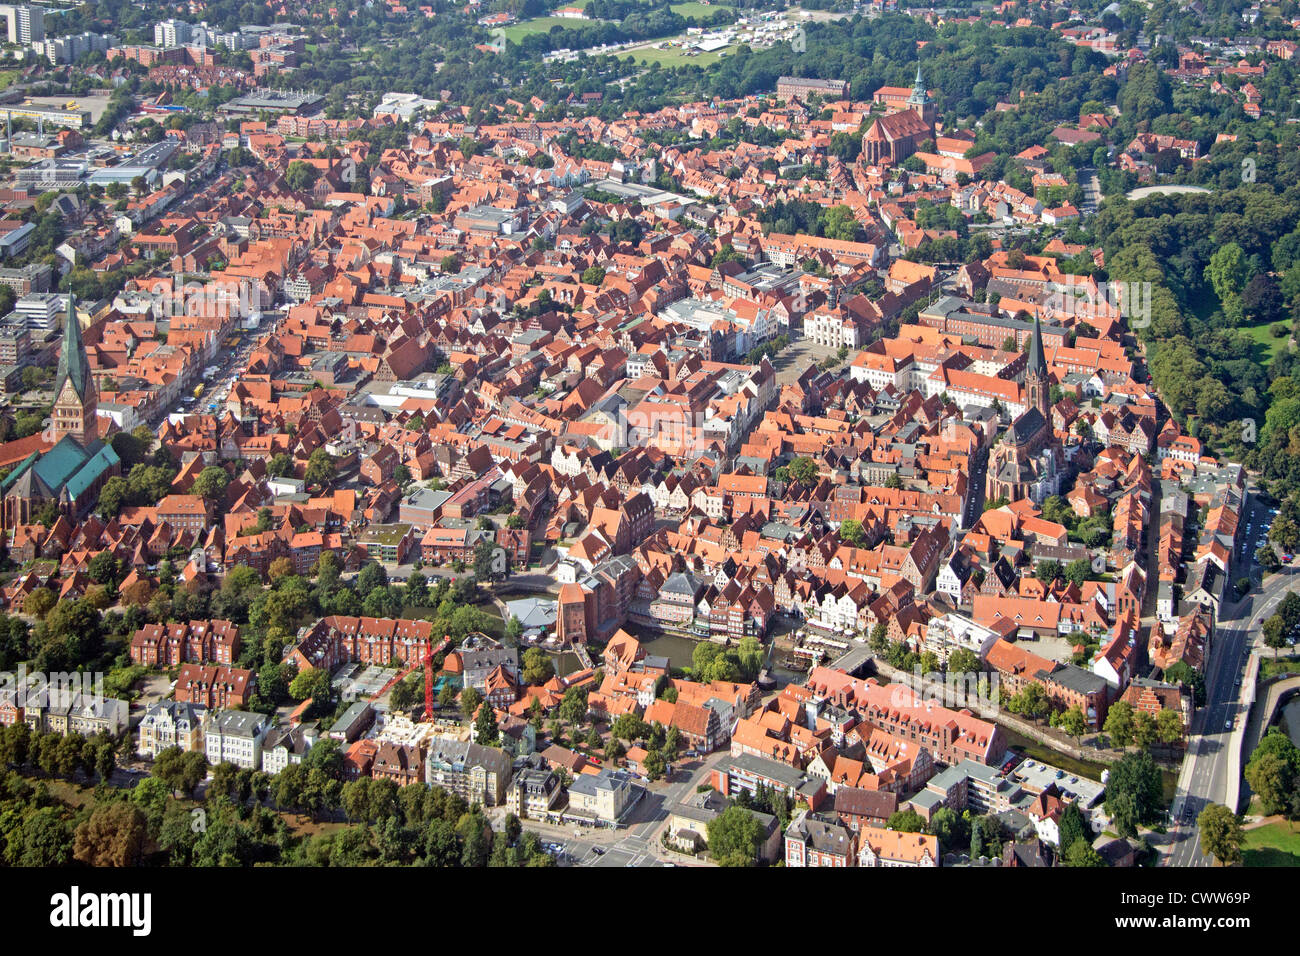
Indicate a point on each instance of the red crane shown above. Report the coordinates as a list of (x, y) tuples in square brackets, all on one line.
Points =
[(428, 679)]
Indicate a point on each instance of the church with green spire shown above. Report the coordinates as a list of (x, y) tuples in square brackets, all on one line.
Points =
[(1029, 462), (897, 135), (71, 473)]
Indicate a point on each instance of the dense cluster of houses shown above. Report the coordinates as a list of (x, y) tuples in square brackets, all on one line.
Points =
[(518, 347)]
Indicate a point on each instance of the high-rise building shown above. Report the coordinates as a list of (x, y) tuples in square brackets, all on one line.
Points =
[(31, 25), (24, 24), (171, 33)]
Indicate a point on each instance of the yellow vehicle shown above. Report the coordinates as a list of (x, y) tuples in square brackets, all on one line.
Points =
[(198, 391)]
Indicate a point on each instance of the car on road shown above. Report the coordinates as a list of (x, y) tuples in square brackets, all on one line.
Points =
[(598, 850), (1228, 724)]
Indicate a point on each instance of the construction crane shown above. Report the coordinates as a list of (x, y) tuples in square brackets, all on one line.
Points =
[(428, 679)]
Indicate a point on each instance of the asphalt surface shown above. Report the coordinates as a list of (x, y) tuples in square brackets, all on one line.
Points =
[(1207, 767), (638, 842)]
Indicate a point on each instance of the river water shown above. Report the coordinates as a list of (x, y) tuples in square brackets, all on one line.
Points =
[(676, 648), (1291, 717)]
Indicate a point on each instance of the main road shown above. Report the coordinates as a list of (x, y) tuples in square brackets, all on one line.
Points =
[(1208, 767)]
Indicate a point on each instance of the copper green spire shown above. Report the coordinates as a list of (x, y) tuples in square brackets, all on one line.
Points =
[(73, 365)]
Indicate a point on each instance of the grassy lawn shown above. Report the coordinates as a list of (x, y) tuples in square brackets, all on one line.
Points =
[(7, 77), (697, 9), (677, 57), (73, 794), (1283, 665), (303, 826), (1266, 345), (1277, 844), (517, 31)]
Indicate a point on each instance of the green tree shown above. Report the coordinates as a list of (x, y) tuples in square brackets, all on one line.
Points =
[(1078, 571), (964, 661), (1144, 729), (408, 692), (1073, 722), (851, 533), (211, 483), (1119, 724), (1227, 273), (113, 496), (951, 828), (734, 837), (1273, 773), (485, 726), (300, 176), (573, 705), (538, 668), (311, 683), (803, 470), (655, 765), (1133, 792), (320, 468), (1081, 854), (1221, 834), (280, 466), (629, 727), (1072, 826), (906, 821), (1169, 726), (470, 699)]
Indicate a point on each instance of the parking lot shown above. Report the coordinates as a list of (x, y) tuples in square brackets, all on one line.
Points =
[(795, 359)]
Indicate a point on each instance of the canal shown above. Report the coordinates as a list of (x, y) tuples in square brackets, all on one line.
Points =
[(677, 648), (1291, 720)]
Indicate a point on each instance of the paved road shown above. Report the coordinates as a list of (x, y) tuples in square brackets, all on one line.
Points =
[(1205, 775), (975, 495), (638, 843), (1091, 190)]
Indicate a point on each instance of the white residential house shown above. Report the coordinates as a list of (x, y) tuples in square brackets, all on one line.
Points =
[(235, 736)]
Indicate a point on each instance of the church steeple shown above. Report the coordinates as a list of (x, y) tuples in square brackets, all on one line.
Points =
[(76, 401), (1037, 384), (920, 99)]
